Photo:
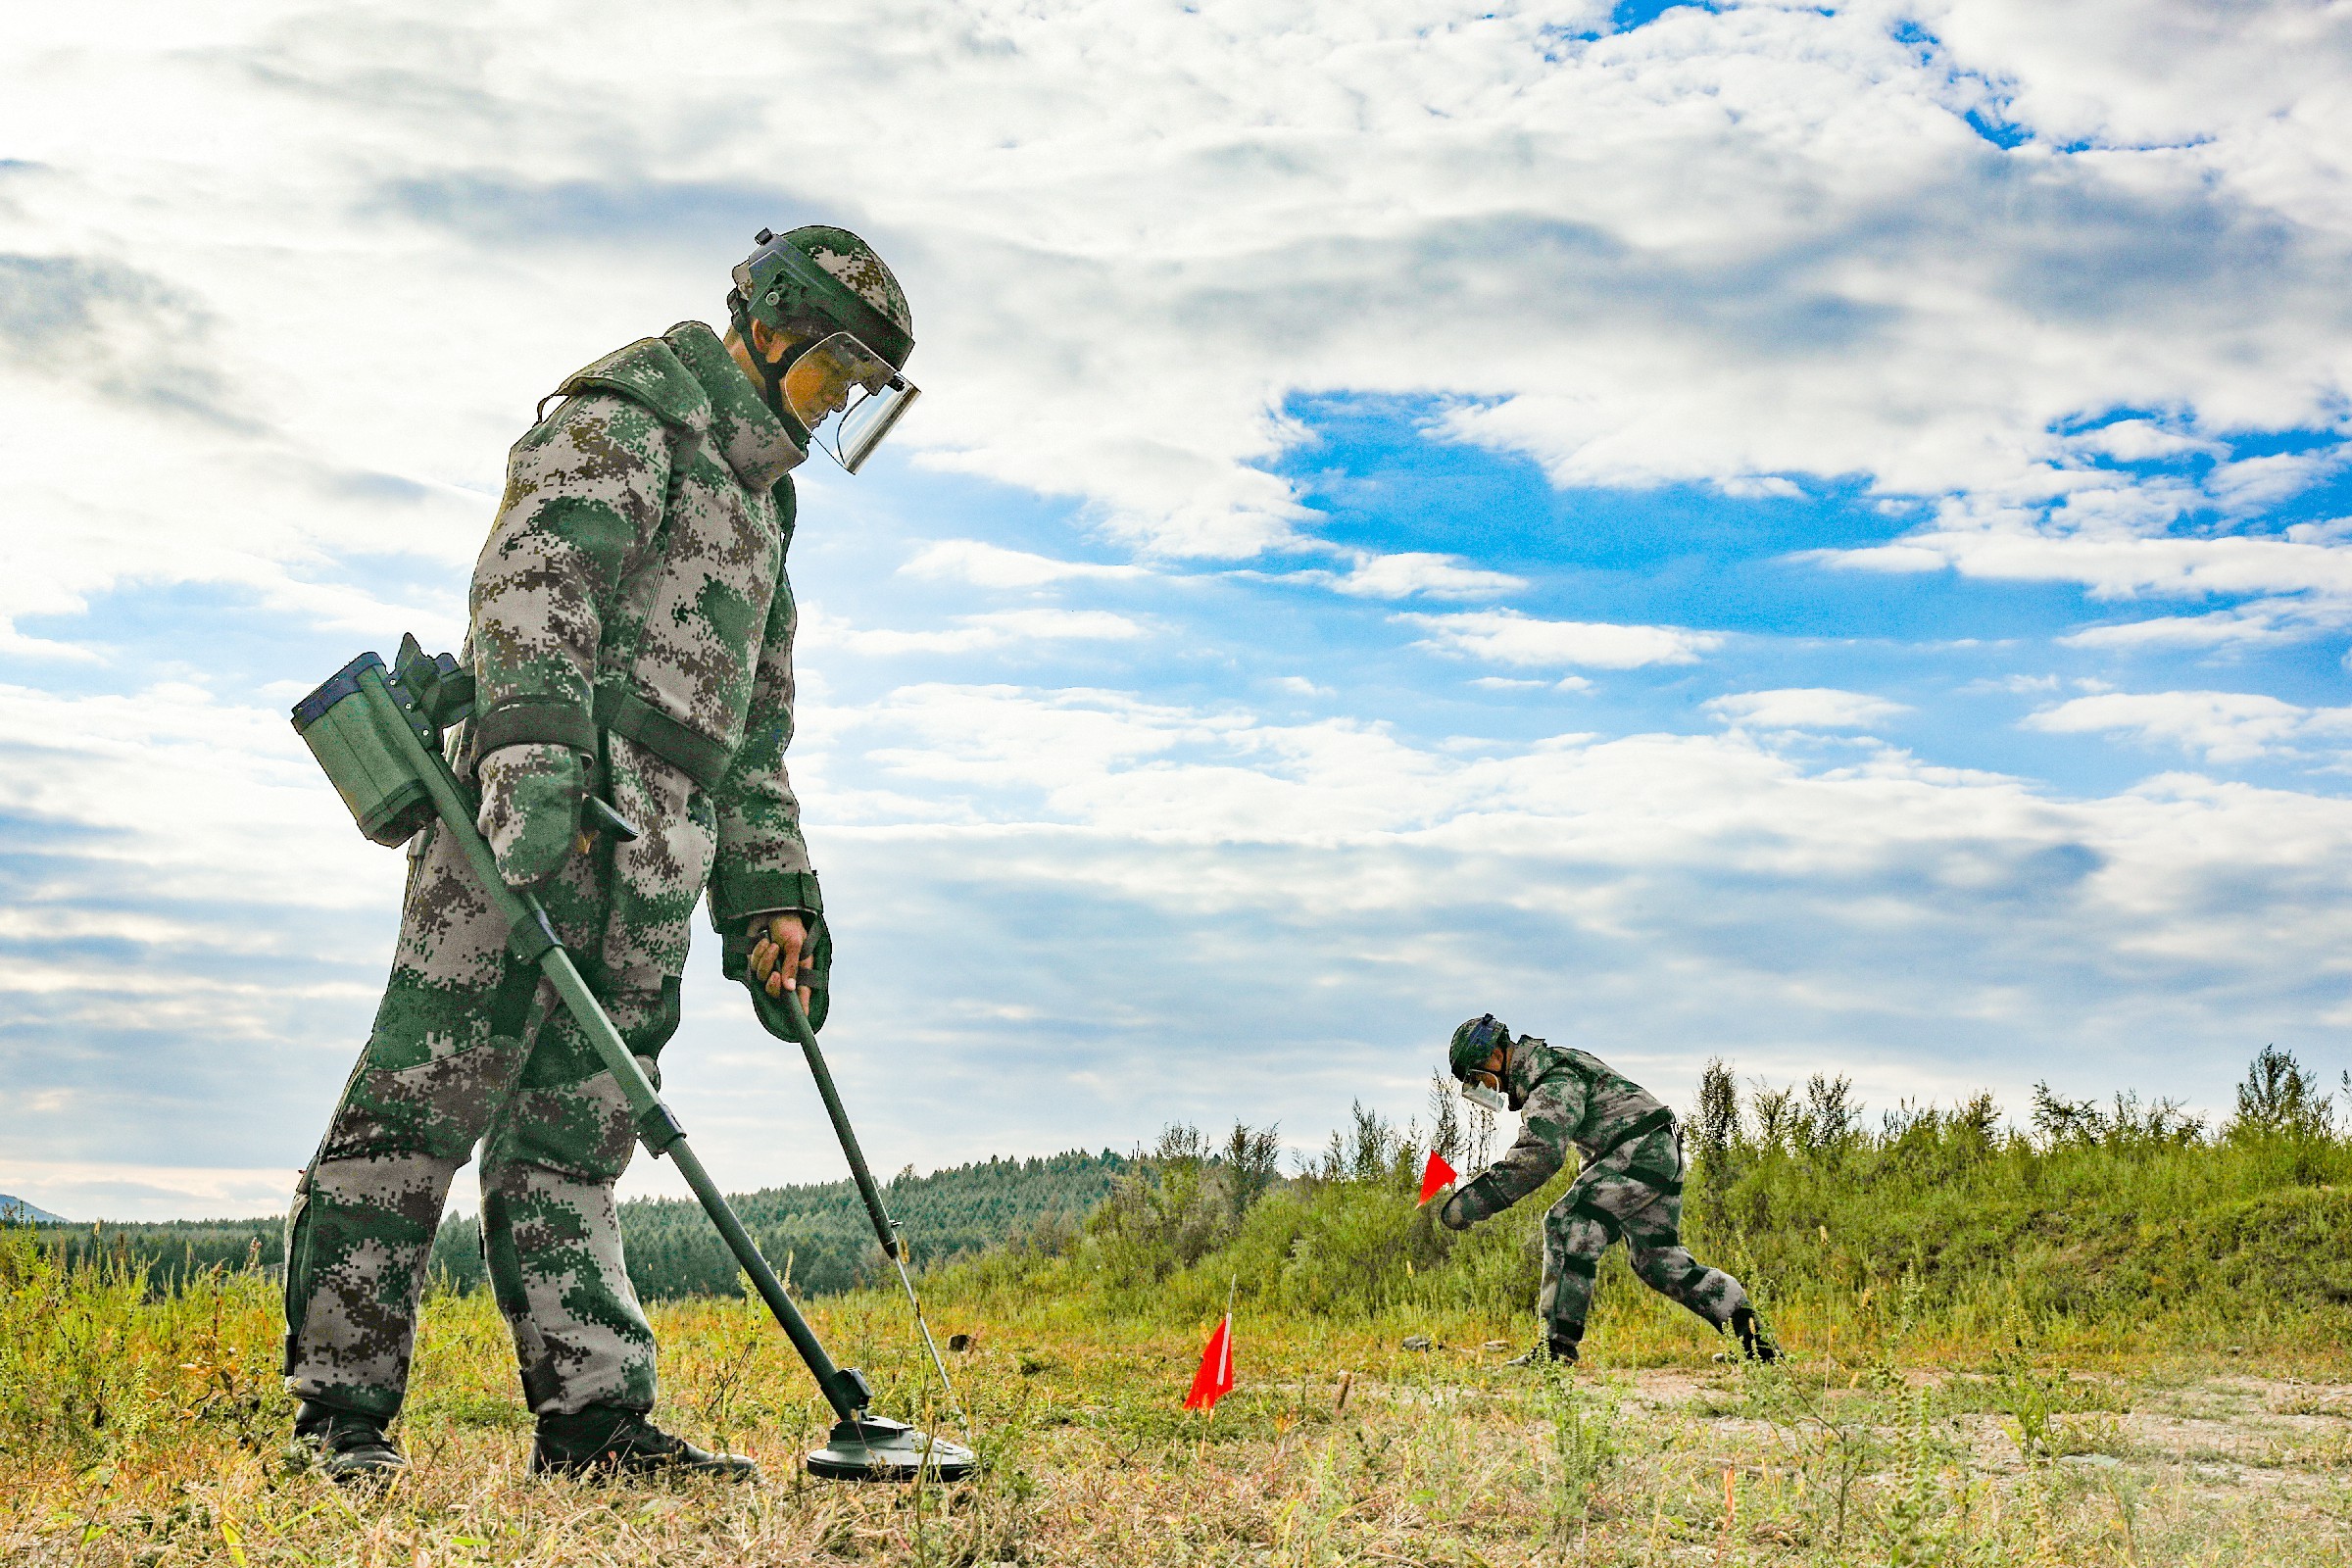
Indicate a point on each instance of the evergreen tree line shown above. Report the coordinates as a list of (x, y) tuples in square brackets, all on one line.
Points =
[(818, 1235)]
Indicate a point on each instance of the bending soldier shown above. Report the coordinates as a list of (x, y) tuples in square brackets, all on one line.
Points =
[(630, 634), (1631, 1184)]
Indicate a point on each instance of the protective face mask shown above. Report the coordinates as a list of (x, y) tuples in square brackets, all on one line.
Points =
[(1481, 1095)]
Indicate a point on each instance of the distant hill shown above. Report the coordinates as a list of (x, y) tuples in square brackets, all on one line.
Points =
[(18, 1211), (821, 1231)]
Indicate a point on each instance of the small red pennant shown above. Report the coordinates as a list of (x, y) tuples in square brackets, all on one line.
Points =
[(1214, 1380), (1436, 1176)]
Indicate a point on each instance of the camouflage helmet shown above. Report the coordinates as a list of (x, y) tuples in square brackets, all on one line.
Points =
[(816, 281), (849, 333), (1474, 1042)]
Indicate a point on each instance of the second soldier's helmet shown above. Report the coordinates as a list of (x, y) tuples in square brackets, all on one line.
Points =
[(844, 379), (1474, 1042)]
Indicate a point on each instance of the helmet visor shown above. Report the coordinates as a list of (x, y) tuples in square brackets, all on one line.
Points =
[(848, 396)]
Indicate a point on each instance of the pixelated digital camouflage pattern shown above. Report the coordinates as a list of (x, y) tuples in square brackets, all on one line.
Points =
[(531, 809), (641, 543), (1630, 1186), (856, 267), (632, 547), (469, 1046)]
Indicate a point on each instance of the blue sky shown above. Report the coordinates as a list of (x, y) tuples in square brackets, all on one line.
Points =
[(1810, 536)]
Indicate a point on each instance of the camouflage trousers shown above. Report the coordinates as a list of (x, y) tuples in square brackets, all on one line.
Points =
[(471, 1046), (1636, 1192)]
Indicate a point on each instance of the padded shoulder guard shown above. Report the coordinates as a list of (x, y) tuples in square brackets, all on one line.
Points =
[(648, 373)]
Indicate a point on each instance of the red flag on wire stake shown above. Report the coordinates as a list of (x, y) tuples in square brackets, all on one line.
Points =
[(1435, 1176), (1214, 1380)]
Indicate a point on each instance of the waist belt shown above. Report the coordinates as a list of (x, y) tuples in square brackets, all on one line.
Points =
[(557, 722), (1642, 1128)]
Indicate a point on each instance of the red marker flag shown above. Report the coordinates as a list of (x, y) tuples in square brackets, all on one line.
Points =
[(1435, 1175), (1214, 1380)]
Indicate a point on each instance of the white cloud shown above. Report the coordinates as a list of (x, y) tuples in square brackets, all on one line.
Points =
[(83, 1190), (1733, 246), (1110, 887), (2225, 726), (1805, 708), (1508, 637), (1418, 573), (988, 565), (993, 631), (212, 803), (2020, 684), (2113, 564), (2269, 620)]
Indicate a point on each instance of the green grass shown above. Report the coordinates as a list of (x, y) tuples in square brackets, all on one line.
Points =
[(143, 1431), (2117, 1343)]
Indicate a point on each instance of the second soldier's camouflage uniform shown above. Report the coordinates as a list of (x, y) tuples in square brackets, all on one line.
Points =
[(1631, 1185), (631, 632)]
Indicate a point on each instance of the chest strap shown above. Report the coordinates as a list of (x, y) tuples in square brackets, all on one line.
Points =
[(627, 715), (618, 710)]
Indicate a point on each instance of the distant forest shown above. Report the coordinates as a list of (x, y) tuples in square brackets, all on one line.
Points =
[(817, 1235)]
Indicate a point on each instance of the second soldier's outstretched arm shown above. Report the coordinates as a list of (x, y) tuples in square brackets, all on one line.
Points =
[(1546, 1123)]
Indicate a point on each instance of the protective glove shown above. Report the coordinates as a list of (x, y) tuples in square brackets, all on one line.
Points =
[(735, 963), (531, 797), (1469, 1203)]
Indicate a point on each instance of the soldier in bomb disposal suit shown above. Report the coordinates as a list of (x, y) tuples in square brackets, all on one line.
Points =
[(630, 636), (1630, 1184)]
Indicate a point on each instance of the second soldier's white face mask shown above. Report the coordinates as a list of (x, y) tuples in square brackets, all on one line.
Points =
[(1477, 1090)]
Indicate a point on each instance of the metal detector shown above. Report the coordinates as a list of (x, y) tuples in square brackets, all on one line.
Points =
[(378, 734), (783, 1016)]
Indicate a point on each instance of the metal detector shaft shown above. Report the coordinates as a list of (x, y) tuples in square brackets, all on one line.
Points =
[(787, 1007), (795, 1023), (532, 937)]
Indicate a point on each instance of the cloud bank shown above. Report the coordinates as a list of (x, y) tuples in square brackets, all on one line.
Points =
[(1817, 535)]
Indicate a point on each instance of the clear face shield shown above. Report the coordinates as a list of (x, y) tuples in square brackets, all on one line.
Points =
[(847, 396)]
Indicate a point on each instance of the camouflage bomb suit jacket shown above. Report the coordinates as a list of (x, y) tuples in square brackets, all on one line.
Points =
[(1566, 1097), (634, 582)]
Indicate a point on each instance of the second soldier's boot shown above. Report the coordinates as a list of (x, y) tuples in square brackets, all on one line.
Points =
[(1560, 1348), (607, 1441), (351, 1448)]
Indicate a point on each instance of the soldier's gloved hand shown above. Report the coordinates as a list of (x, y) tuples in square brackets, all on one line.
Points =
[(774, 947), (531, 797), (1454, 1214), (777, 941)]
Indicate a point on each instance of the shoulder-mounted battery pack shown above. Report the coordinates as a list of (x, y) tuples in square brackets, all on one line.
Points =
[(367, 767)]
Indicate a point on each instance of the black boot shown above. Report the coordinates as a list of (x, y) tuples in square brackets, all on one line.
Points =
[(1560, 1348), (1752, 1343), (351, 1448), (607, 1441)]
